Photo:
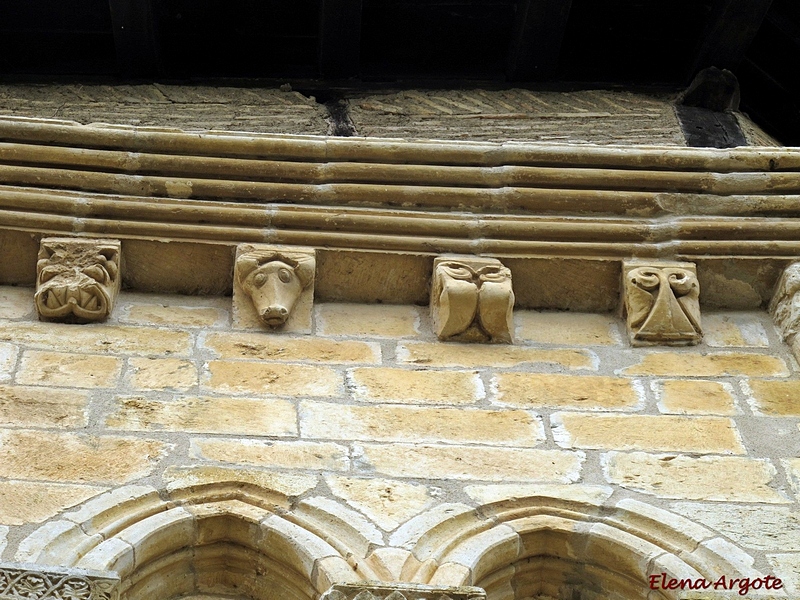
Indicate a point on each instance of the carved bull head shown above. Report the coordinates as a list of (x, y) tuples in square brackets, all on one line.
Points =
[(274, 282)]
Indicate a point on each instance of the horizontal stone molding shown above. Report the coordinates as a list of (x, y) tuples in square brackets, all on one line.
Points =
[(33, 582), (376, 590)]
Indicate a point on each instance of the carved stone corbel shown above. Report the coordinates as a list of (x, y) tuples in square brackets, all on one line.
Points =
[(785, 305), (662, 303), (273, 287), (51, 583), (471, 299), (375, 590), (77, 280)]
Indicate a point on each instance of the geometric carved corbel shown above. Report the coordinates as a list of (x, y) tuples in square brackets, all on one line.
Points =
[(274, 286), (662, 303), (375, 590), (785, 305), (77, 279), (471, 299)]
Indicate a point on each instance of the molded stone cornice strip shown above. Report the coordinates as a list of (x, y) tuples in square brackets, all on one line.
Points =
[(19, 580), (373, 590)]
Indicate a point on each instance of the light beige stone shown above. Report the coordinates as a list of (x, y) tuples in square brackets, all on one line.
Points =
[(159, 535), (647, 432), (243, 416), (323, 456), (468, 355), (405, 386), (473, 462), (721, 478), (388, 503), (258, 346), (690, 397), (37, 407), (360, 320), (50, 456), (776, 398), (23, 502), (55, 543), (113, 511), (3, 537), (533, 390), (105, 339), (173, 316), (792, 466), (694, 364), (273, 378), (595, 495), (409, 423), (8, 360), (731, 331), (285, 485), (333, 517), (15, 302), (162, 373), (787, 568), (567, 328), (68, 370)]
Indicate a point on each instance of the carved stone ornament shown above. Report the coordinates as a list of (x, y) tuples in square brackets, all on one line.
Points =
[(274, 279), (30, 582), (785, 304), (471, 299), (77, 280), (374, 590), (662, 303)]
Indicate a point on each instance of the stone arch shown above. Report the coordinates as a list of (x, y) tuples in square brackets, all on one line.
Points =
[(566, 548), (231, 539)]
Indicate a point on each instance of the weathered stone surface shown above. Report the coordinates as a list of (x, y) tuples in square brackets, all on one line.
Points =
[(792, 465), (646, 432), (173, 315), (386, 502), (373, 590), (8, 360), (24, 246), (286, 484), (3, 536), (687, 397), (24, 502), (733, 330), (323, 456), (404, 386), (15, 302), (466, 355), (77, 279), (409, 423), (567, 328), (22, 406), (162, 374), (244, 416), (709, 365), (661, 302), (738, 283), (68, 370), (776, 398), (722, 478), (359, 320), (588, 494), (49, 456), (472, 462), (787, 567), (785, 303), (252, 346), (272, 378), (567, 391)]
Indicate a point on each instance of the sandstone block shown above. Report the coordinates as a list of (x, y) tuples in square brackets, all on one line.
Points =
[(243, 416), (22, 406), (596, 495), (787, 567), (173, 316), (720, 478), (410, 423), (709, 365), (258, 346), (588, 392), (15, 302), (731, 331), (383, 320), (162, 374), (468, 356), (792, 466), (567, 328), (646, 432), (688, 397), (322, 456), (23, 502), (68, 370), (272, 378), (67, 457), (473, 462), (158, 534), (404, 386), (776, 398)]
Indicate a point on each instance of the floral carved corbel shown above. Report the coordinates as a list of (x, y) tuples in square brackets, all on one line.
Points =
[(662, 303)]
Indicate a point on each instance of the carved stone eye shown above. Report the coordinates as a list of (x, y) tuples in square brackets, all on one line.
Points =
[(285, 275), (259, 280)]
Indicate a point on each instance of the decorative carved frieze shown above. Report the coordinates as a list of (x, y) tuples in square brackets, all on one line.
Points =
[(471, 299), (272, 285), (662, 303), (77, 280), (17, 581), (373, 590)]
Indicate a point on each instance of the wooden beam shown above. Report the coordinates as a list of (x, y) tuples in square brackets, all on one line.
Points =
[(732, 26), (538, 34), (340, 39), (134, 37)]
